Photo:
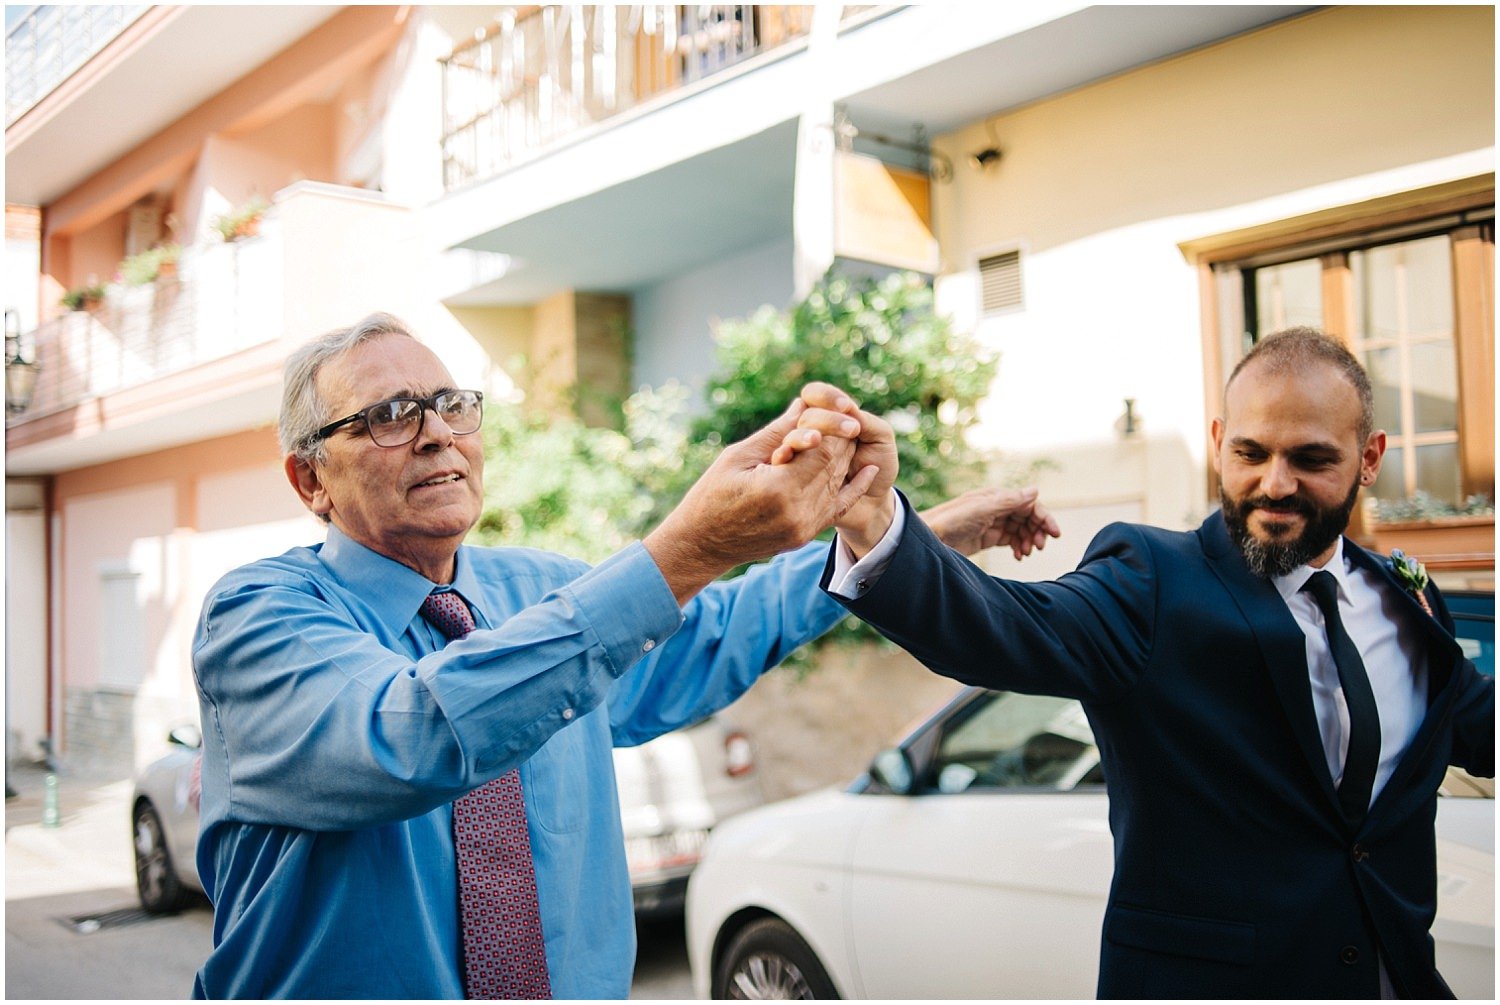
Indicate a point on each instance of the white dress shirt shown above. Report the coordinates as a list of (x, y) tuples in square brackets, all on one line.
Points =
[(1392, 651)]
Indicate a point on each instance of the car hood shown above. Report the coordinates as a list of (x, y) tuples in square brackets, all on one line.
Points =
[(813, 829)]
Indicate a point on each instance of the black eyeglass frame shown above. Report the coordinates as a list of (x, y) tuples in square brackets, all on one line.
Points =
[(424, 405)]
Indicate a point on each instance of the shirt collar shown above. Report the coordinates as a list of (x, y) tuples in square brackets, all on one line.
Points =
[(1291, 584), (394, 591)]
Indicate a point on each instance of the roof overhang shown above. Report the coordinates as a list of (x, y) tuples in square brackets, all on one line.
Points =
[(157, 70)]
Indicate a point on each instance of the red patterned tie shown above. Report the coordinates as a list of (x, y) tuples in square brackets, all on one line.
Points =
[(504, 954)]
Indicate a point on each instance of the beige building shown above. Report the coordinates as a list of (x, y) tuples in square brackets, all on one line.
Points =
[(527, 185)]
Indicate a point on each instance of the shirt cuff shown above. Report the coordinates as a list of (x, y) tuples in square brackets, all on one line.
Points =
[(628, 604), (851, 579)]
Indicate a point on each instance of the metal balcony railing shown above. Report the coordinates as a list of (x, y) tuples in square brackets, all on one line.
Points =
[(222, 299), (533, 79), (51, 41)]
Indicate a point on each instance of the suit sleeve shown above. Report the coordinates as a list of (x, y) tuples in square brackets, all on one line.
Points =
[(1473, 714), (1474, 723), (1087, 635)]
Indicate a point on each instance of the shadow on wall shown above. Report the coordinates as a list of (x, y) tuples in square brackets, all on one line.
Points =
[(1307, 102)]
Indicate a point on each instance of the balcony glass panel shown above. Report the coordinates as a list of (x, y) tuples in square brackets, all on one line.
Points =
[(45, 45)]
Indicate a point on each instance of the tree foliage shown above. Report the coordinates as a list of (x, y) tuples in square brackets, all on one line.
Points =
[(558, 484), (881, 341)]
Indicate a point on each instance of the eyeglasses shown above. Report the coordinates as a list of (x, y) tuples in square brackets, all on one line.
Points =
[(398, 421)]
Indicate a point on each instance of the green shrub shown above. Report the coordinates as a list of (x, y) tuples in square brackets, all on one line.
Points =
[(558, 484), (82, 297), (1425, 506), (881, 341), (244, 221), (143, 267)]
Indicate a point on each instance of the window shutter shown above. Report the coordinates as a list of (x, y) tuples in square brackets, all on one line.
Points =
[(1000, 282)]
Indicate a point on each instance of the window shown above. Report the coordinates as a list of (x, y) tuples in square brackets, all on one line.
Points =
[(1409, 286), (1011, 741)]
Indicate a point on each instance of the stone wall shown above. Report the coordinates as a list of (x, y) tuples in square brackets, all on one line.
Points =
[(822, 727), (99, 727)]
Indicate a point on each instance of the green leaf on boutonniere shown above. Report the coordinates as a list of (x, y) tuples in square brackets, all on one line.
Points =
[(1412, 575)]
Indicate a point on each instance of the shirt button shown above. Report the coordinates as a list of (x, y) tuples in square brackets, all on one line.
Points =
[(648, 645), (1359, 852), (1349, 955), (861, 586), (567, 713)]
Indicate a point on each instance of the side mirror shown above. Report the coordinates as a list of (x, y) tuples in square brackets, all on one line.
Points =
[(187, 735), (892, 770)]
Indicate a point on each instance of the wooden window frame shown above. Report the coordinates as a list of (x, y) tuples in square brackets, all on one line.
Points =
[(1463, 209)]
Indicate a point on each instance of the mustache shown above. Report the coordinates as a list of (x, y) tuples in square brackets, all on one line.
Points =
[(1294, 504)]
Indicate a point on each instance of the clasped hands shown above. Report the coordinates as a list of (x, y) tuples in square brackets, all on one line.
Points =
[(981, 518), (823, 462)]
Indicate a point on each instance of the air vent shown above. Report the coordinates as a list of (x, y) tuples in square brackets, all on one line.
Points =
[(1000, 282)]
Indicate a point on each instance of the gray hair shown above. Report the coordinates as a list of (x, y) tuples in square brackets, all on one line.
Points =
[(1290, 349), (303, 410)]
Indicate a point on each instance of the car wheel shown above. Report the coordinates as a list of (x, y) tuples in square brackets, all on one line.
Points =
[(155, 877), (768, 961)]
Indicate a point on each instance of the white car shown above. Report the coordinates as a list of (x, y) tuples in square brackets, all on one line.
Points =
[(973, 861), (673, 791)]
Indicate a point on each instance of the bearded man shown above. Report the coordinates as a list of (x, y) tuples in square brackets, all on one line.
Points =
[(1274, 707)]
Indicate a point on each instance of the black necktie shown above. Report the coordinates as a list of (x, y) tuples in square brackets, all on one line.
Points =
[(1363, 756)]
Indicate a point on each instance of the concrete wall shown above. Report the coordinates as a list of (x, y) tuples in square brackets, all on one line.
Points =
[(674, 320), (1097, 187), (143, 539)]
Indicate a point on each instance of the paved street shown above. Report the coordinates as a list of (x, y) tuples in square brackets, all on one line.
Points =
[(72, 924)]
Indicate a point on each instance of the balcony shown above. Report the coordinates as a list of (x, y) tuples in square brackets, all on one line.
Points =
[(52, 41), (221, 300), (532, 81), (199, 353)]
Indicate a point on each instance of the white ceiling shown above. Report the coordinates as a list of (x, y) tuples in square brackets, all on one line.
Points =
[(196, 52)]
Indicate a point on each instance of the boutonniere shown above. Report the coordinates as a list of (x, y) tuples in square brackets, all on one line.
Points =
[(1411, 574)]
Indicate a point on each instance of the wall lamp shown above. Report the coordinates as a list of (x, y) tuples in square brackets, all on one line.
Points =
[(20, 373), (985, 158)]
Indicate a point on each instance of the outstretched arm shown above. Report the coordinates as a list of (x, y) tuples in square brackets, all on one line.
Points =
[(993, 517)]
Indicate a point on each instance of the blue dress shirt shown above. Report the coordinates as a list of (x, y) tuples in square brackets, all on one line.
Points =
[(339, 726)]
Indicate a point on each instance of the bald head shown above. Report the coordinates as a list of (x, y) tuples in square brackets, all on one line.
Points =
[(1292, 350)]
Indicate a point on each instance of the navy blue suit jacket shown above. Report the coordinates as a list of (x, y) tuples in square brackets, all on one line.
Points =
[(1236, 875)]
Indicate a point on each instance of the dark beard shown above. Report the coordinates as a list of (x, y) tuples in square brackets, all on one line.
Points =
[(1277, 558)]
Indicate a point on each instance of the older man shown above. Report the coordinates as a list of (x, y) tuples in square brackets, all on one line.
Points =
[(1274, 706), (407, 782)]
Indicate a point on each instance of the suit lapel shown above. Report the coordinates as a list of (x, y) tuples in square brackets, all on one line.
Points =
[(1442, 649), (1443, 655), (1283, 647)]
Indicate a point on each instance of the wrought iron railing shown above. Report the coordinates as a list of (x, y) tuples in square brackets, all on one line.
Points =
[(535, 78), (51, 41), (222, 299)]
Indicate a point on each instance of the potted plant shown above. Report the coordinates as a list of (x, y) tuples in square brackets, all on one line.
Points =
[(82, 298), (242, 222), (147, 266)]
